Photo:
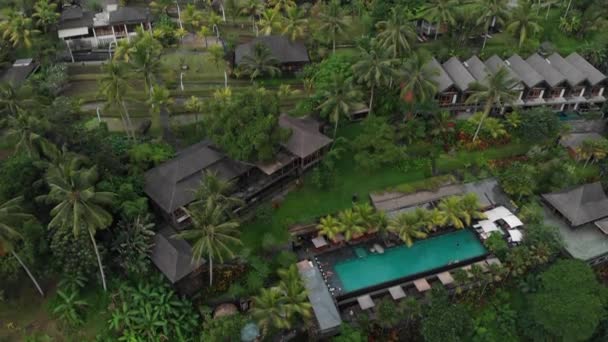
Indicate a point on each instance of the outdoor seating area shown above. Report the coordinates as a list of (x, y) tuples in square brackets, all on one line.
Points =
[(502, 221)]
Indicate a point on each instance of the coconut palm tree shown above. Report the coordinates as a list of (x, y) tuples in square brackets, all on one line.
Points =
[(417, 80), (204, 32), (339, 99), (295, 297), (159, 98), (78, 206), (212, 235), (114, 87), (440, 12), (252, 9), (162, 7), (352, 224), (498, 89), (443, 126), (27, 129), (269, 311), (375, 69), (282, 5), (217, 190), (144, 57), (331, 21), (260, 62), (271, 21), (593, 149), (330, 227), (396, 34), (430, 220), (12, 99), (524, 21), (470, 204), (454, 213), (295, 23), (407, 227), (17, 28), (45, 13), (489, 13), (192, 17), (11, 215)]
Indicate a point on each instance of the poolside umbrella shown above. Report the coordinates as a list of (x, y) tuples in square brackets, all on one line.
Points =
[(250, 332)]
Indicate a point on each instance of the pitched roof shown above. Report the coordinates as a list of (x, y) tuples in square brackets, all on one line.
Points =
[(19, 71), (75, 17), (459, 73), (573, 75), (593, 75), (171, 185), (575, 140), (525, 72), (172, 256), (477, 68), (280, 47), (544, 68), (305, 137), (129, 15), (496, 63), (580, 205), (441, 78)]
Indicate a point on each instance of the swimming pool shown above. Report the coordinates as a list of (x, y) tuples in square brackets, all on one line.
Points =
[(400, 262)]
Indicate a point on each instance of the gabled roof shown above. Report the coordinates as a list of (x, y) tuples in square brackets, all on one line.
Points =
[(593, 75), (496, 63), (441, 78), (172, 256), (283, 49), (551, 75), (75, 17), (19, 71), (129, 15), (458, 73), (524, 71), (477, 68), (172, 184), (573, 75), (580, 205), (305, 138), (575, 140)]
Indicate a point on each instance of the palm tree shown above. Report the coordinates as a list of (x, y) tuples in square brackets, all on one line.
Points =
[(159, 98), (352, 224), (407, 227), (453, 210), (332, 22), (524, 21), (330, 227), (78, 206), (417, 80), (593, 149), (269, 311), (192, 17), (162, 7), (204, 32), (270, 21), (430, 219), (212, 235), (45, 13), (490, 13), (440, 12), (260, 62), (144, 56), (443, 126), (470, 204), (375, 69), (295, 298), (11, 99), (497, 89), (339, 100), (17, 28), (124, 51), (396, 34), (114, 86), (282, 5), (252, 8), (217, 190), (295, 23), (11, 214)]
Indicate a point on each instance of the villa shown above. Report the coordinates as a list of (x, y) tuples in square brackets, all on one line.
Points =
[(291, 55), (569, 83)]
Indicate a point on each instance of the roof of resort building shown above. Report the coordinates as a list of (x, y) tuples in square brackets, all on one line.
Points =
[(524, 71), (573, 75), (441, 78), (305, 138), (75, 17), (575, 140), (129, 15), (593, 75), (550, 74), (172, 256), (477, 68), (602, 225), (172, 184), (270, 167), (19, 71), (579, 205), (496, 63), (323, 306), (458, 73), (283, 49)]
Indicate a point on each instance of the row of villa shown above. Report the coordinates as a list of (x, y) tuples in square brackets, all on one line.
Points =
[(570, 83)]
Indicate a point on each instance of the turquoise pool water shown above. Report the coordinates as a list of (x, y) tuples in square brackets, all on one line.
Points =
[(399, 262)]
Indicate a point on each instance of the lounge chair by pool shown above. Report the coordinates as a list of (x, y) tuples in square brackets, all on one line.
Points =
[(378, 248)]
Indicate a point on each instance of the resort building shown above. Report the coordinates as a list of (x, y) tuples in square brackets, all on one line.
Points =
[(291, 55), (581, 214), (17, 73), (569, 83), (84, 30)]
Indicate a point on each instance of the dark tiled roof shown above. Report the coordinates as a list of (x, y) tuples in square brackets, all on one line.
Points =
[(305, 138), (129, 15), (171, 185), (580, 205), (593, 75), (75, 17), (575, 140), (477, 68), (442, 79), (551, 75), (573, 75), (172, 256), (496, 63), (526, 73), (284, 50), (458, 73), (19, 71)]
